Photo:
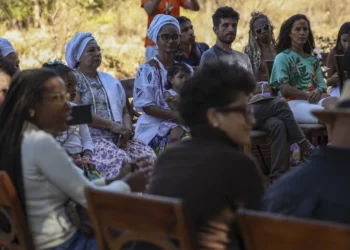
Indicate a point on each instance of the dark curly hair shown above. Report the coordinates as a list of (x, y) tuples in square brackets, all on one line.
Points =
[(61, 69), (182, 19), (215, 84), (284, 42), (344, 29), (224, 12), (173, 70)]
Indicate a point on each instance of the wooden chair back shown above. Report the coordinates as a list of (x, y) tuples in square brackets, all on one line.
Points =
[(269, 66), (265, 231), (341, 70), (324, 58), (146, 218), (19, 238), (128, 85)]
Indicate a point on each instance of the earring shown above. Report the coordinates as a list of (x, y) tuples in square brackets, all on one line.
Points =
[(31, 112), (256, 38), (215, 124)]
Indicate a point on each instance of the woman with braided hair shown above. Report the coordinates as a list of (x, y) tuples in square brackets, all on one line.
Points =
[(261, 44)]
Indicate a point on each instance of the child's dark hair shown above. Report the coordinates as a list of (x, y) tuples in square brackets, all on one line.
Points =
[(173, 70), (61, 69)]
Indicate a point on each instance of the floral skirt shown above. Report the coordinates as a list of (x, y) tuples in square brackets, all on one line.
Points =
[(159, 143), (109, 159)]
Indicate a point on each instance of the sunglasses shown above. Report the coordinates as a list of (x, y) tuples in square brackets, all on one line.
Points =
[(246, 111), (166, 37), (266, 27)]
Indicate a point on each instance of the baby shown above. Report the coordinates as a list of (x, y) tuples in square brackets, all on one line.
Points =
[(178, 73)]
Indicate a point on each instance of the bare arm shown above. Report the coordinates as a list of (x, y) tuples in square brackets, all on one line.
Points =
[(127, 122), (292, 92), (160, 113), (192, 5), (151, 7), (332, 72)]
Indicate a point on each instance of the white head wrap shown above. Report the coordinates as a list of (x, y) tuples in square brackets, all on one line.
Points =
[(76, 46), (5, 47), (158, 22)]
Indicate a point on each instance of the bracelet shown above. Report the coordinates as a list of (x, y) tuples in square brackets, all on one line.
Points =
[(88, 154)]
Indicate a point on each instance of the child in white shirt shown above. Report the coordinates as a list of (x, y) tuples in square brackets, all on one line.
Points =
[(178, 73)]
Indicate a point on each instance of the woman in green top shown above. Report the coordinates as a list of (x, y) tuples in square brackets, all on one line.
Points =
[(297, 72)]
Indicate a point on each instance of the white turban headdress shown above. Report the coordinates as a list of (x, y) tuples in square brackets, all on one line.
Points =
[(76, 47), (6, 47), (158, 22)]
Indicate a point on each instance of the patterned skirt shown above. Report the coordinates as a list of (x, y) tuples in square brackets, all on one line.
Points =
[(109, 159), (159, 143)]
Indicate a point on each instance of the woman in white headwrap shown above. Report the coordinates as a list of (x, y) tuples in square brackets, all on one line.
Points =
[(111, 129), (150, 81), (8, 52)]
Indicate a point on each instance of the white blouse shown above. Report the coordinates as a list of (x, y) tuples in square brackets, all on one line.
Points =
[(76, 139), (147, 92), (50, 180)]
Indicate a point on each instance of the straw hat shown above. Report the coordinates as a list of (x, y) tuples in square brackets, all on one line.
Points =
[(341, 109)]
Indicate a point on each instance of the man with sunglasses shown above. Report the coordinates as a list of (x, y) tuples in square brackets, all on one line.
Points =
[(273, 115), (167, 7), (7, 70)]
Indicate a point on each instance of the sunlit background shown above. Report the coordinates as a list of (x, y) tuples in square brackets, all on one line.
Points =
[(39, 29)]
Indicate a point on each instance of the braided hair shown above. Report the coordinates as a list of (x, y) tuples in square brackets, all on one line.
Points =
[(253, 49), (26, 90)]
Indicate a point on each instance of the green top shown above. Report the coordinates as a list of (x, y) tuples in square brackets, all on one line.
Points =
[(302, 73)]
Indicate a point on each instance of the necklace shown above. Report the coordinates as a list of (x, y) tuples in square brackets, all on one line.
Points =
[(93, 96)]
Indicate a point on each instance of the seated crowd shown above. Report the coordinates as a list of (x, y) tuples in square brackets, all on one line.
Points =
[(198, 107)]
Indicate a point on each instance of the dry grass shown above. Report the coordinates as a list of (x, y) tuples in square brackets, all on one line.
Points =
[(121, 30)]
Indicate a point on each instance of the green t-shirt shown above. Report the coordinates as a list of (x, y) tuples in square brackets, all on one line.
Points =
[(302, 73)]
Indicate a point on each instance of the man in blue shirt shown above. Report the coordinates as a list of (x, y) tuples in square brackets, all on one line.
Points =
[(190, 52), (319, 188)]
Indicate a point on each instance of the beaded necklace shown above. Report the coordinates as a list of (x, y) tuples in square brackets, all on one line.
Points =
[(93, 96)]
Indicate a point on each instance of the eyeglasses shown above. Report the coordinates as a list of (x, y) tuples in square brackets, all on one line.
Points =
[(265, 27), (246, 111), (166, 37), (60, 98)]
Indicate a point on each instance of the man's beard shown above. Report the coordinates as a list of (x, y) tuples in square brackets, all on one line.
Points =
[(227, 41)]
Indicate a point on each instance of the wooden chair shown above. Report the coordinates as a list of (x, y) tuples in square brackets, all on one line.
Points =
[(258, 138), (340, 70), (265, 231), (19, 238), (310, 130), (128, 85), (146, 218), (269, 66)]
